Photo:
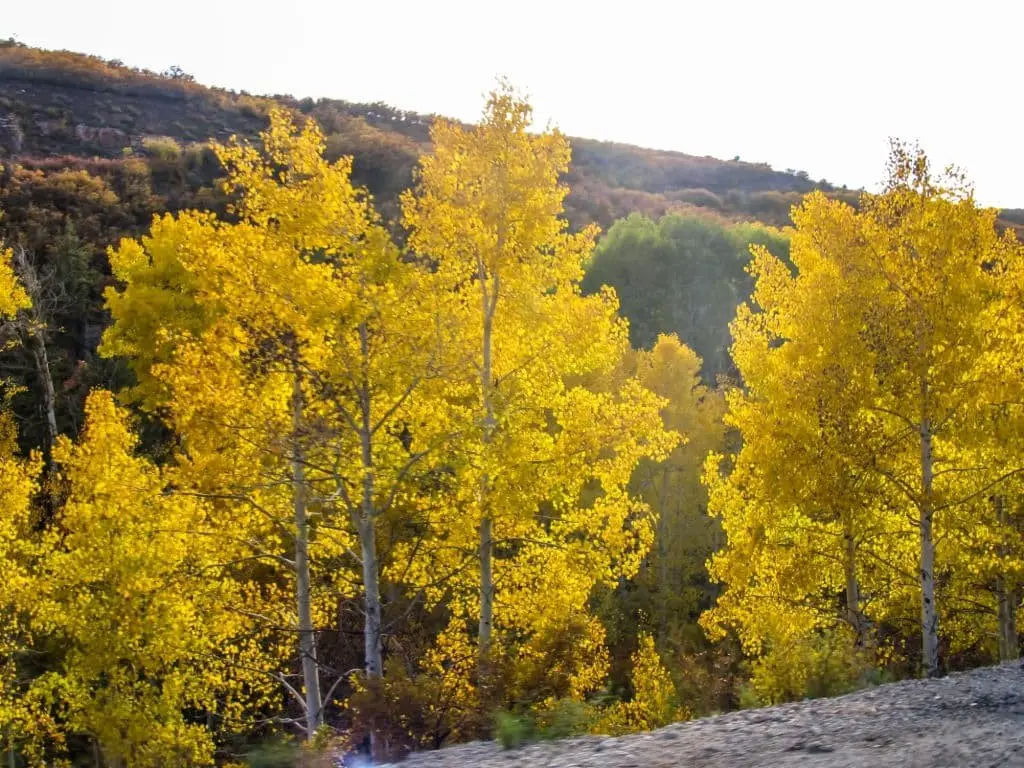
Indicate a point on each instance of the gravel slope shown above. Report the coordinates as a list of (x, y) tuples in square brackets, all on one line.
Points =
[(971, 719)]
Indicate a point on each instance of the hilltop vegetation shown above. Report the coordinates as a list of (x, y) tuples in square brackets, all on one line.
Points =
[(59, 103)]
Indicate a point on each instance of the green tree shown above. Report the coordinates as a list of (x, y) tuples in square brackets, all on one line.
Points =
[(683, 275)]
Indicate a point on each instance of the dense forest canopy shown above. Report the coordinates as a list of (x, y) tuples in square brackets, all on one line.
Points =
[(328, 428)]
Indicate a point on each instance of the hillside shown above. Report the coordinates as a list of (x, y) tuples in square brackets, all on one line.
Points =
[(60, 104), (65, 107), (968, 719)]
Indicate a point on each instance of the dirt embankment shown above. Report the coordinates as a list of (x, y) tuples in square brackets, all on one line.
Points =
[(973, 719)]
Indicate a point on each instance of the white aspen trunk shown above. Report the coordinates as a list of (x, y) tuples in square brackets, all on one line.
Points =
[(1007, 595), (372, 647), (1009, 648), (366, 526), (371, 577), (486, 522), (1010, 625), (307, 636), (33, 336), (929, 614), (663, 573), (42, 366), (853, 614), (486, 584)]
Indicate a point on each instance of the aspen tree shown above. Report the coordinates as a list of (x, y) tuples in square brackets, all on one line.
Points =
[(486, 212)]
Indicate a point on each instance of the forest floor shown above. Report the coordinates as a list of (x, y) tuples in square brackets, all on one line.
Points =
[(971, 719)]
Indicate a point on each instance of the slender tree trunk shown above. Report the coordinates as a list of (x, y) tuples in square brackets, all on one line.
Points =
[(486, 584), (1009, 647), (372, 615), (486, 521), (367, 528), (42, 366), (662, 534), (853, 613), (929, 614), (1007, 595), (33, 337), (371, 584), (307, 636), (664, 589)]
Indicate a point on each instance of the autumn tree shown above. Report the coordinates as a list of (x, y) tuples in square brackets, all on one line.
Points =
[(803, 525), (883, 356), (945, 284), (672, 587), (795, 508), (653, 702), (243, 426), (18, 487), (31, 329), (380, 349), (301, 320), (534, 441), (110, 582), (145, 636), (685, 535), (21, 722)]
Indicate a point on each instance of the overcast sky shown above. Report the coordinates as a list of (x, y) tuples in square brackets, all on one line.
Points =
[(816, 86)]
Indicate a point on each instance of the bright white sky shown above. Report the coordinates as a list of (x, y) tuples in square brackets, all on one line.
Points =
[(815, 85)]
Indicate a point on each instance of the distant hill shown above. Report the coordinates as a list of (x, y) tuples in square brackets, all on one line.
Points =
[(57, 104), (60, 109)]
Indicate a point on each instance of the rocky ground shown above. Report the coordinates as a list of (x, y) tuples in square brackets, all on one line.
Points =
[(971, 719)]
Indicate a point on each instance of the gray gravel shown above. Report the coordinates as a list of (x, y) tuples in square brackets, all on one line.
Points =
[(971, 719)]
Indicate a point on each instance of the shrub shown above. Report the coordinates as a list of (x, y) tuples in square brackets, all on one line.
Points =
[(511, 730), (702, 198), (560, 720), (748, 698), (273, 754), (654, 703), (707, 681), (162, 148), (289, 753), (568, 717), (407, 713), (825, 663)]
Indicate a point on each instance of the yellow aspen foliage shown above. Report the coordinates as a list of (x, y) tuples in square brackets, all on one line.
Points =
[(146, 635), (812, 664), (543, 505), (685, 535), (654, 703), (18, 547), (23, 724), (878, 394), (291, 351), (222, 367), (786, 502), (12, 293)]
